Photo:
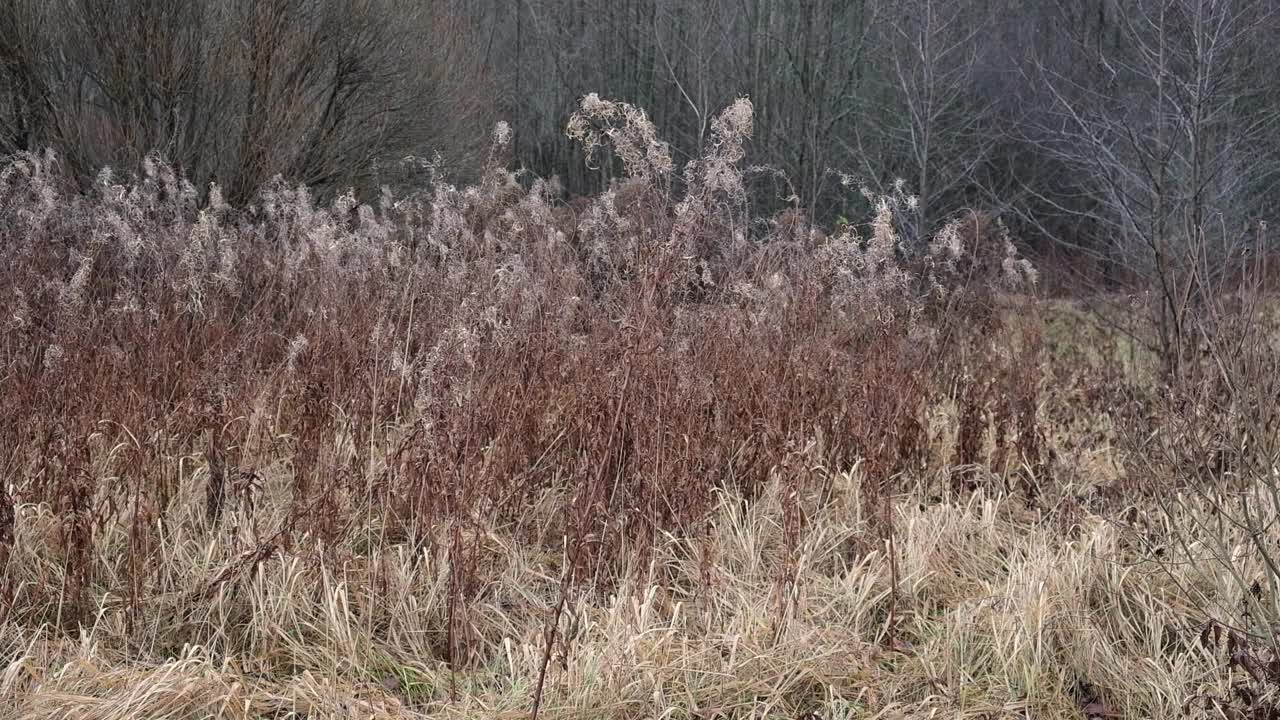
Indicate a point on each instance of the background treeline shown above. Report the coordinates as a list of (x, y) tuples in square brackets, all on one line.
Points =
[(1113, 130)]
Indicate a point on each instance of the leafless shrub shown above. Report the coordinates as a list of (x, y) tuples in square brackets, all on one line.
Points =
[(301, 378), (328, 93)]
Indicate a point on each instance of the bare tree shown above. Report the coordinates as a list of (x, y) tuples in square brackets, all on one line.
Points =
[(1173, 137), (325, 92), (948, 123)]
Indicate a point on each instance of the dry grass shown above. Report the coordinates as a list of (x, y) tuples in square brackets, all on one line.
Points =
[(478, 453), (1004, 613)]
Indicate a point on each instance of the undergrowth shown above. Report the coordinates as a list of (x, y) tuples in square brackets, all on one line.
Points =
[(479, 451)]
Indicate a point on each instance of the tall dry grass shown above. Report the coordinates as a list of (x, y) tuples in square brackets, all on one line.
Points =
[(482, 452)]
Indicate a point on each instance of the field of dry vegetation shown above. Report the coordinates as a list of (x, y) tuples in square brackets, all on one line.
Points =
[(479, 453)]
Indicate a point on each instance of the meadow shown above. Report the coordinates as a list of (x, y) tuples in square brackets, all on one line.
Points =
[(478, 452)]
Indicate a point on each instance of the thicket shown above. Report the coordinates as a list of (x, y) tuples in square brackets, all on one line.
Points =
[(194, 391), (442, 362)]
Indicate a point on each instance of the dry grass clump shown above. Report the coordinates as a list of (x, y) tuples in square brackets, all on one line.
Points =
[(476, 452), (1000, 616)]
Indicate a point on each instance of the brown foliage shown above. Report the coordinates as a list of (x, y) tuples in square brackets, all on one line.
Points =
[(441, 363)]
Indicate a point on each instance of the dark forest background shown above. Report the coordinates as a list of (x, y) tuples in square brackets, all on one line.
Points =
[(1104, 132)]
